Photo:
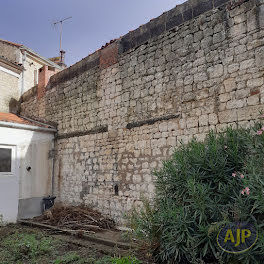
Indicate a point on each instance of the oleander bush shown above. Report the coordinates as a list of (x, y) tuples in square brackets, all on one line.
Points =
[(202, 187)]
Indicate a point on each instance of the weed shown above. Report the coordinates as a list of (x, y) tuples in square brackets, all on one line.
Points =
[(23, 246), (119, 260)]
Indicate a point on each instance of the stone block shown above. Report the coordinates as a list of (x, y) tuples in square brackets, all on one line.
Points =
[(200, 77), (219, 37), (207, 42), (261, 16), (224, 97), (227, 116), (213, 119), (182, 123), (188, 97), (233, 104), (188, 80), (203, 120), (260, 57), (247, 64), (238, 30), (192, 122), (253, 100), (240, 18), (249, 113), (233, 68), (198, 36), (230, 85), (252, 20), (240, 94), (216, 71), (255, 82)]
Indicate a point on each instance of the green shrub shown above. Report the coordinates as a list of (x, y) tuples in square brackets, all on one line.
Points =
[(199, 190)]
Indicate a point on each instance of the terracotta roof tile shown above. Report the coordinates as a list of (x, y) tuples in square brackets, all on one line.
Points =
[(12, 118), (11, 43)]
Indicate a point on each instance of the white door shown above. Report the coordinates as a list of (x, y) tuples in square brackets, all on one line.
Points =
[(8, 184)]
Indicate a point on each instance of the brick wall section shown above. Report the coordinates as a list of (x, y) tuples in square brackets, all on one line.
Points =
[(197, 67), (108, 56), (44, 75)]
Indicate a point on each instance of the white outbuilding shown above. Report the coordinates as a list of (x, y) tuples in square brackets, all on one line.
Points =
[(26, 166)]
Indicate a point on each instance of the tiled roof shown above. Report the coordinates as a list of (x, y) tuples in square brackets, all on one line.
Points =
[(11, 43), (11, 63), (12, 118), (22, 47)]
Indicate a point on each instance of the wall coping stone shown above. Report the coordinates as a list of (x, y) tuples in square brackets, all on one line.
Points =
[(164, 23)]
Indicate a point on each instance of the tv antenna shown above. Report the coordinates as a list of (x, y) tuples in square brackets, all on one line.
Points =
[(61, 22)]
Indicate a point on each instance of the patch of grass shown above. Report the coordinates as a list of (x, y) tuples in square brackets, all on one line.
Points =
[(69, 258), (121, 260), (22, 246), (73, 257), (31, 246)]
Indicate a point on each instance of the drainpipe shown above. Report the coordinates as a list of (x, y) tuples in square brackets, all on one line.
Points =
[(53, 168), (23, 75)]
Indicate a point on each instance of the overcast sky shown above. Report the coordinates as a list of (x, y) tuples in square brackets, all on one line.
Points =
[(93, 23)]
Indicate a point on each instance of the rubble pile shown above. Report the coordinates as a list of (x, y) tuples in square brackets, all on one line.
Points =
[(75, 218)]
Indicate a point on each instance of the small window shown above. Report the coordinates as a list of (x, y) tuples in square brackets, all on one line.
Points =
[(7, 160), (35, 77), (51, 68)]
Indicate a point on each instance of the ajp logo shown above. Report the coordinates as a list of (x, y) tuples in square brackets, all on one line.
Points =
[(237, 237)]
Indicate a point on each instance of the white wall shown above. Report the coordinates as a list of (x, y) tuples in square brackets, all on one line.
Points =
[(32, 150)]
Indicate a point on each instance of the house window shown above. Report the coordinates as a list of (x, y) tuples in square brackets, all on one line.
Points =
[(7, 159), (35, 77)]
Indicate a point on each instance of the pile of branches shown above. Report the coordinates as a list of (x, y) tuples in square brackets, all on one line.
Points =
[(76, 218)]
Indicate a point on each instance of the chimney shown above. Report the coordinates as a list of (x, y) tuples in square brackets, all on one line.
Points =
[(44, 76), (62, 59)]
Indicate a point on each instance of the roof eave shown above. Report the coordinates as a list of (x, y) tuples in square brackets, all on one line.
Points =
[(11, 64), (46, 61), (26, 127)]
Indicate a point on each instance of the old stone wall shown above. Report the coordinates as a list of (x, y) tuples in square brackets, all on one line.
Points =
[(10, 51), (123, 109), (8, 90)]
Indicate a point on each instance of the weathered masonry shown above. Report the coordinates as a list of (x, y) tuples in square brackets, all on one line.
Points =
[(123, 109)]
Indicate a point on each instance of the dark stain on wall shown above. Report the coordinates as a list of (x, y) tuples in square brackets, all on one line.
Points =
[(96, 130), (151, 121)]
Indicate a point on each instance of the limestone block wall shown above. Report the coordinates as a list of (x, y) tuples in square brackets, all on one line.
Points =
[(123, 109), (8, 90), (10, 51)]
